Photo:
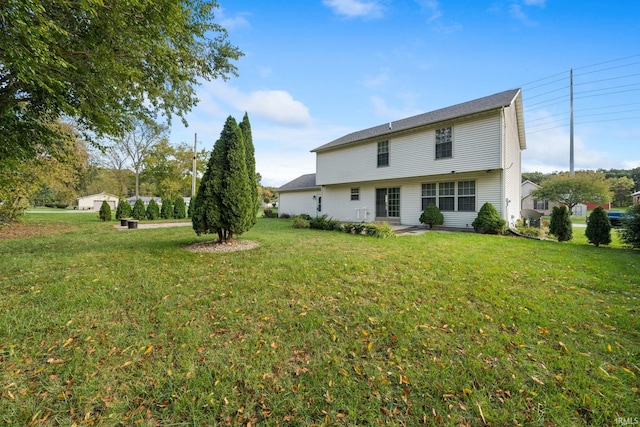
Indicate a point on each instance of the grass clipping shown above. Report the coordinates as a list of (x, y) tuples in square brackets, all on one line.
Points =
[(214, 246)]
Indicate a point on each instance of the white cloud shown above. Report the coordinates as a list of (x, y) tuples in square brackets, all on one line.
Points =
[(436, 17), (375, 81), (385, 112), (277, 106), (355, 8), (540, 3), (232, 22)]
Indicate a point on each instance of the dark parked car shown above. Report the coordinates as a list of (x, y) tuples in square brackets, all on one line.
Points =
[(615, 218)]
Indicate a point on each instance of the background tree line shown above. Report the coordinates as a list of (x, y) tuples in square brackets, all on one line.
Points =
[(618, 184)]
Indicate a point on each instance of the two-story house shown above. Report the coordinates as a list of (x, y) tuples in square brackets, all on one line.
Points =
[(457, 158)]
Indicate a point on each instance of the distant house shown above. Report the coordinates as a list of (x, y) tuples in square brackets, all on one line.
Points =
[(456, 158), (528, 202), (636, 197), (94, 201)]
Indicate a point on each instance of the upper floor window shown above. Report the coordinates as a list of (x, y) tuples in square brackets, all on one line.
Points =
[(444, 144), (383, 153), (355, 194)]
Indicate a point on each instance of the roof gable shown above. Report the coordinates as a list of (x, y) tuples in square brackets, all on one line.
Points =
[(307, 181), (476, 106)]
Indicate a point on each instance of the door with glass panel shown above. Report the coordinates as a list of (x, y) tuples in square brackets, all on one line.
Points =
[(388, 203)]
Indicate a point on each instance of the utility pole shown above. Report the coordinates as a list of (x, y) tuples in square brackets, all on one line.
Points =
[(193, 177), (571, 172)]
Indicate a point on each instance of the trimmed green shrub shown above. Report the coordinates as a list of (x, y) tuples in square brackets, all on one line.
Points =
[(598, 227), (630, 231), (489, 221), (179, 208), (300, 222), (138, 211), (105, 211), (269, 213), (305, 216), (560, 225), (166, 211), (381, 230), (432, 216), (123, 210), (153, 210)]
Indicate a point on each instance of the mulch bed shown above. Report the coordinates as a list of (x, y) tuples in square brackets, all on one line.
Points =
[(214, 246)]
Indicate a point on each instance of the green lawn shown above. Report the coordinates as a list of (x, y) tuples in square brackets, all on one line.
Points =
[(106, 327)]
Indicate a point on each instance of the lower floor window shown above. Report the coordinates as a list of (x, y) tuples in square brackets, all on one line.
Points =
[(450, 196)]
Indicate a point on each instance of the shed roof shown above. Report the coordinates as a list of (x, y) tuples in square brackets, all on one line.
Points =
[(480, 105), (302, 182)]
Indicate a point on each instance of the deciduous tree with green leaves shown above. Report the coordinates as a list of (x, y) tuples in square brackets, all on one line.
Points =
[(224, 202), (583, 186), (101, 64)]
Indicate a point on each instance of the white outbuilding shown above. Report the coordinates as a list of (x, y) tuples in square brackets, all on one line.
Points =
[(94, 201)]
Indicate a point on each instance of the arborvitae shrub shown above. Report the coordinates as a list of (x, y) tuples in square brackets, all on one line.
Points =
[(489, 221), (560, 225), (123, 210), (190, 208), (138, 211), (598, 227), (153, 210), (432, 216), (166, 211), (179, 208), (630, 231), (105, 211)]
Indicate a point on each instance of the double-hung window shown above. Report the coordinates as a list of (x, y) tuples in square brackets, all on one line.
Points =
[(428, 195), (467, 196), (447, 196), (355, 193), (444, 143), (383, 153)]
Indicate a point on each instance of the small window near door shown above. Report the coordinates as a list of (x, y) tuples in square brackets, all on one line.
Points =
[(355, 194)]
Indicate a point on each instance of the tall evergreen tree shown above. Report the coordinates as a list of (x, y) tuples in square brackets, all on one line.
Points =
[(224, 200), (245, 126), (560, 224), (598, 227)]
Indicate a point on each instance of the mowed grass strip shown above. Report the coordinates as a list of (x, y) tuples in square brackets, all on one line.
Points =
[(106, 327)]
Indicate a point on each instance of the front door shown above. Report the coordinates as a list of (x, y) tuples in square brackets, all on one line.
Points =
[(387, 203)]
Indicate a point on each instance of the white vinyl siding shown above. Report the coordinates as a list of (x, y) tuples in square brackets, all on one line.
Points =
[(512, 167), (298, 202), (476, 146)]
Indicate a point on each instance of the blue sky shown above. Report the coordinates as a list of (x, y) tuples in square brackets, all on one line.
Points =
[(315, 70)]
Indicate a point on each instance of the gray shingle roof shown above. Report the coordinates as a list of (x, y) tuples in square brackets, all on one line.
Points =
[(479, 105), (307, 181)]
